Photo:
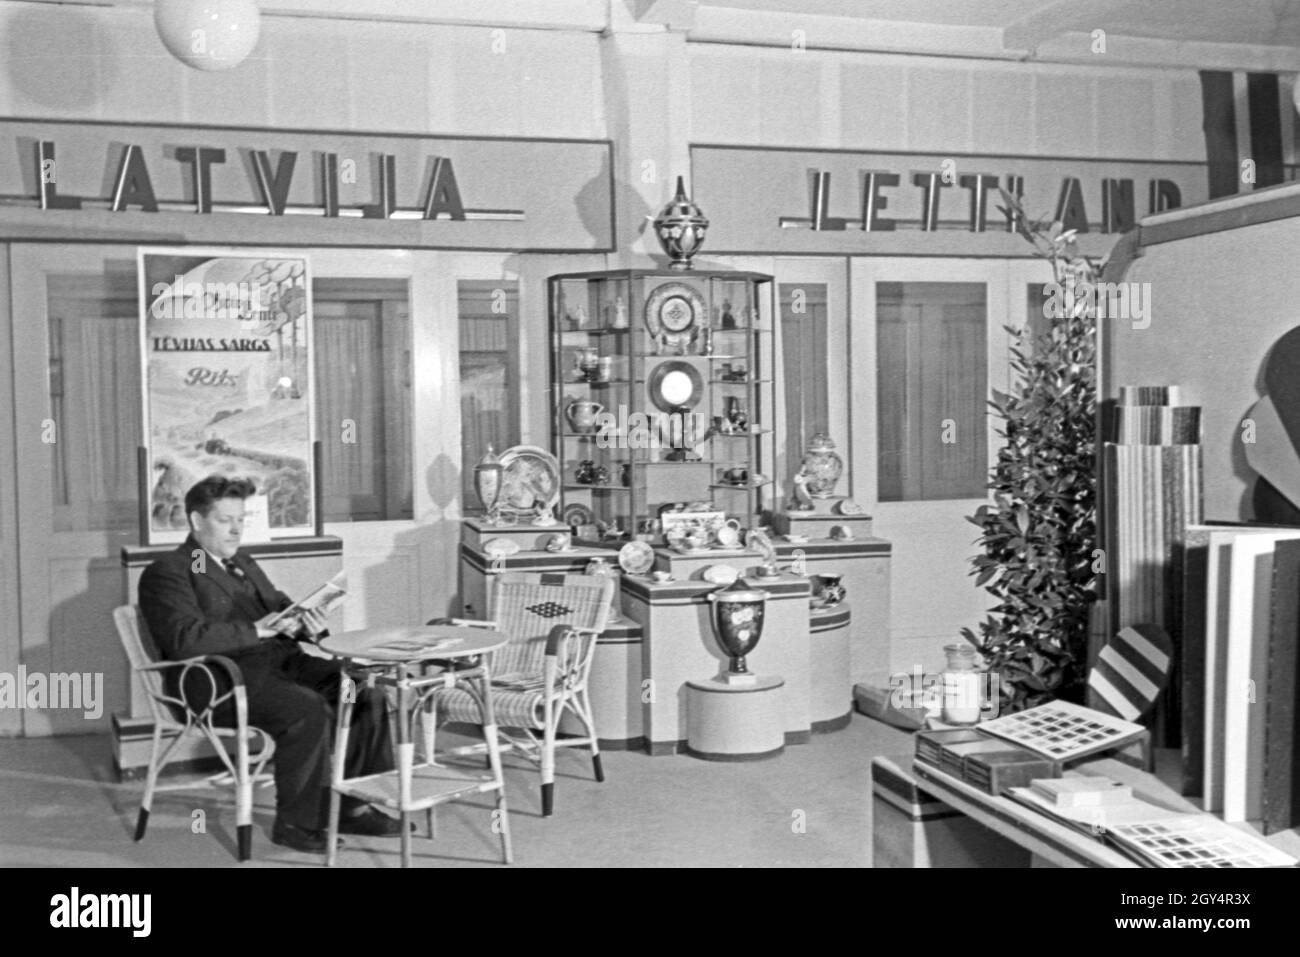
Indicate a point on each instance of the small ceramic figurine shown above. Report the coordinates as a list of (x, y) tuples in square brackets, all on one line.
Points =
[(737, 415), (802, 497), (620, 313)]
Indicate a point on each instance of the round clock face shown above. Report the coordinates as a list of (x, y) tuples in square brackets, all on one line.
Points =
[(676, 314)]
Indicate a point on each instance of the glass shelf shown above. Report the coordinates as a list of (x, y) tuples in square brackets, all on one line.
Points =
[(595, 332)]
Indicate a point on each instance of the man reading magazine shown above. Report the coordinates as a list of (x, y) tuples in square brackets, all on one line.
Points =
[(208, 598)]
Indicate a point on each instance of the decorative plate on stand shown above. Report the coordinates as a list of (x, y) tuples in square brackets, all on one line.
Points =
[(578, 514), (673, 314), (530, 476), (636, 558)]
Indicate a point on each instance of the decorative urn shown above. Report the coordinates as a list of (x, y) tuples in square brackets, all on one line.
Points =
[(738, 624), (680, 227), (822, 466), (488, 475)]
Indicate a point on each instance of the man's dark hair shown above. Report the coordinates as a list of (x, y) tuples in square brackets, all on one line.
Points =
[(206, 493)]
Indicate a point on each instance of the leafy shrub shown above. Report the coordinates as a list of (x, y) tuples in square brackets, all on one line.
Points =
[(1039, 533)]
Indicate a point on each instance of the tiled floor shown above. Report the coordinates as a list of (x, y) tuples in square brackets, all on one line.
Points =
[(61, 806)]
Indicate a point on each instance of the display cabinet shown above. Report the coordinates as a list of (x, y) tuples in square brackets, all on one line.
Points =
[(662, 395)]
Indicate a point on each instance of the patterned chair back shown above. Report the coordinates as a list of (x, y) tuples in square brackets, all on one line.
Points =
[(527, 605)]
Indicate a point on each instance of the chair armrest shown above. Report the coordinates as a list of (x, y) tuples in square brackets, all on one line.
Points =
[(205, 663), (560, 632), (227, 665)]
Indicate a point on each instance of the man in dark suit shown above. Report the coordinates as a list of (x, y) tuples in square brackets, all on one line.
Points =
[(206, 598)]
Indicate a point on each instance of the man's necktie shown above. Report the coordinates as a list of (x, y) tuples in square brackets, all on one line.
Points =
[(237, 574)]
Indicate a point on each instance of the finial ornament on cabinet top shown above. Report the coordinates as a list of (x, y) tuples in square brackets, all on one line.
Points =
[(680, 227)]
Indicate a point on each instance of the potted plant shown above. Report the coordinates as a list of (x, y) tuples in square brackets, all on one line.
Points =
[(1039, 532)]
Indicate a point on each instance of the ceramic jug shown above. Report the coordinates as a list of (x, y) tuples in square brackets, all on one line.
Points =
[(583, 414)]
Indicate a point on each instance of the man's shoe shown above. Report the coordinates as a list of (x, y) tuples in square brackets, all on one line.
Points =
[(298, 838), (371, 823)]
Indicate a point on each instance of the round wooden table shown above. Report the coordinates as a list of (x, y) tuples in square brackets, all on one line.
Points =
[(389, 653)]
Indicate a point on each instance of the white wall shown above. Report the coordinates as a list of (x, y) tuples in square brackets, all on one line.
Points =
[(778, 97), (1219, 303), (108, 63)]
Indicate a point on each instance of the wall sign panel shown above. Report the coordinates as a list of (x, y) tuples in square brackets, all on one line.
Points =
[(113, 182), (792, 201)]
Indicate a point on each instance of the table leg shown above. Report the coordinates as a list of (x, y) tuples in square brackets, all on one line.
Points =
[(501, 817), (347, 695), (405, 759)]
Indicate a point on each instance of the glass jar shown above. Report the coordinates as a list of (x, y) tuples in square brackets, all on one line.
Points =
[(960, 682)]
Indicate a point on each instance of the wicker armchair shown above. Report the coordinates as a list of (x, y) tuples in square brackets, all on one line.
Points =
[(173, 717), (553, 620)]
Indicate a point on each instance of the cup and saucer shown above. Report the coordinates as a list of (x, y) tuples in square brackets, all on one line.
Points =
[(661, 577)]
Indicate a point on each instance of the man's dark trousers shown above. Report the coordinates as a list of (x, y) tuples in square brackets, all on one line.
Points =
[(293, 700)]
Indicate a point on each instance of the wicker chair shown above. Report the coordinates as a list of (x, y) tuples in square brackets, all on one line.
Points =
[(552, 620), (174, 717)]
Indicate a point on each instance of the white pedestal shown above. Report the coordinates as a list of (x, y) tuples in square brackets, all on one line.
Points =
[(735, 722)]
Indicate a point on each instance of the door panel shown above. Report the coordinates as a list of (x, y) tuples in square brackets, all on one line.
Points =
[(77, 404), (921, 447)]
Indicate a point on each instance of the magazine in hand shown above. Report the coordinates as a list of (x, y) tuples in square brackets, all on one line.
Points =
[(324, 599)]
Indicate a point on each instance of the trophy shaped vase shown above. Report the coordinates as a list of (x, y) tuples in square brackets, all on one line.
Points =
[(737, 618)]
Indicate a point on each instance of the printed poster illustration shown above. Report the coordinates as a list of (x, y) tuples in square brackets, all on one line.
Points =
[(226, 354)]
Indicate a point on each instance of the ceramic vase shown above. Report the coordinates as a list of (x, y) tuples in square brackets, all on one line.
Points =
[(738, 624), (680, 227), (822, 466), (488, 474)]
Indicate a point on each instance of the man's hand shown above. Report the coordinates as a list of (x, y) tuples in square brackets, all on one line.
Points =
[(313, 622), (266, 628)]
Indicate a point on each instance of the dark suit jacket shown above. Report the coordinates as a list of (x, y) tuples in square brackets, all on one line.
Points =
[(205, 612)]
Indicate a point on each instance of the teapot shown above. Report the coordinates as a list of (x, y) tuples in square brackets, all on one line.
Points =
[(585, 473), (583, 414)]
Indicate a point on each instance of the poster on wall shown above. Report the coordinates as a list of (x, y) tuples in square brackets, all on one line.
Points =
[(225, 344)]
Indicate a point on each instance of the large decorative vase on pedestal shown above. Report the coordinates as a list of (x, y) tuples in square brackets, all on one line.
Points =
[(822, 466), (680, 227), (738, 624), (488, 474)]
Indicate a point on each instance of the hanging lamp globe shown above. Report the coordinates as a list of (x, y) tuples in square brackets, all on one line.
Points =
[(208, 34)]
